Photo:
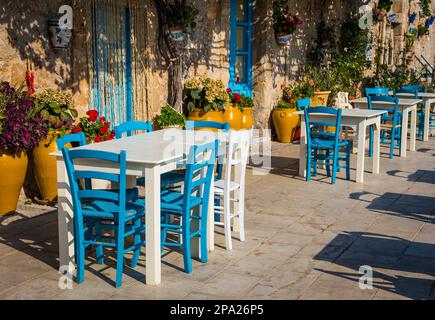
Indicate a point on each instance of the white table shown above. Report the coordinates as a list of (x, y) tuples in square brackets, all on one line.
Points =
[(148, 155), (429, 99), (406, 107), (357, 118)]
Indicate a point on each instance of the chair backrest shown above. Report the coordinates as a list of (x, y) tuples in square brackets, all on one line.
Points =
[(328, 129), (378, 103), (303, 103), (343, 100), (78, 138), (199, 174), (377, 91), (237, 154), (414, 92), (415, 87), (191, 125), (75, 175), (130, 126)]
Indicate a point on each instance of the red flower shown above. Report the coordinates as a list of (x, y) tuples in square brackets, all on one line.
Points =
[(237, 97), (76, 130), (98, 139), (109, 138), (93, 115), (282, 86), (102, 119), (229, 90), (104, 130)]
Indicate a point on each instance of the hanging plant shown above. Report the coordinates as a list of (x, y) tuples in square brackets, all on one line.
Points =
[(385, 5), (284, 23), (180, 19), (426, 7)]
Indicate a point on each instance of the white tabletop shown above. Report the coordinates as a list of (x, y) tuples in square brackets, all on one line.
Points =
[(355, 113), (422, 95), (156, 147), (402, 101)]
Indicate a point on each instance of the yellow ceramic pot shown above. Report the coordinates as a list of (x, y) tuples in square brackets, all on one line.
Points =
[(45, 167), (285, 123), (247, 118), (12, 173), (199, 114), (233, 116), (320, 98)]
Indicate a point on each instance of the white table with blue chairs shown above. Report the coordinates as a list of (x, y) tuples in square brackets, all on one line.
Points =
[(429, 100), (406, 107), (357, 118), (148, 155)]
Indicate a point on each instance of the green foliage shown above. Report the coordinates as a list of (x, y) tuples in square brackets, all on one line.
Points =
[(426, 7), (394, 79), (422, 30), (385, 5), (169, 117), (285, 105), (295, 91), (205, 93), (56, 108), (181, 15)]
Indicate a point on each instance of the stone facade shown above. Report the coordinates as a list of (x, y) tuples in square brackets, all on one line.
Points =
[(24, 39)]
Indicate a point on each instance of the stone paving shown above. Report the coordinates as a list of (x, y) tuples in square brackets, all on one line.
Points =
[(304, 241)]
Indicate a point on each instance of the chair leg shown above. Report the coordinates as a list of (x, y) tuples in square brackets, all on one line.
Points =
[(392, 142), (308, 168), (186, 247), (242, 216), (334, 165), (315, 156), (371, 142), (99, 248), (137, 240), (163, 233), (227, 222), (348, 162), (203, 236), (328, 164), (119, 254)]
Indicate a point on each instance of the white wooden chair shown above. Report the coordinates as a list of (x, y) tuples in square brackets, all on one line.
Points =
[(348, 132), (230, 190)]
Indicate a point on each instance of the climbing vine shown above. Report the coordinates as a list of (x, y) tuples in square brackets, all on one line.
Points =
[(426, 7)]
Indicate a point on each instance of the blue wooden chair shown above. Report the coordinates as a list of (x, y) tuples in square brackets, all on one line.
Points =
[(128, 128), (377, 91), (192, 203), (303, 103), (99, 210), (319, 139), (415, 87), (414, 90), (390, 122)]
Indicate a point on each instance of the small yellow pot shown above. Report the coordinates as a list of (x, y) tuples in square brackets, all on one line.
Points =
[(233, 116), (247, 118), (285, 123), (198, 114), (320, 98), (12, 173), (45, 166)]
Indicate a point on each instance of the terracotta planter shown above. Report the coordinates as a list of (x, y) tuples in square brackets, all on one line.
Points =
[(285, 123), (320, 99), (45, 167), (199, 114), (247, 118), (233, 116), (282, 39), (12, 173)]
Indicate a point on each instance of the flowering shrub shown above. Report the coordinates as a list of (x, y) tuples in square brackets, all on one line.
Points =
[(240, 100), (95, 128), (56, 108), (22, 127), (283, 21), (205, 93), (295, 91)]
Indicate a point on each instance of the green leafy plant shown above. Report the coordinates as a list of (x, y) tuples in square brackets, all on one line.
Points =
[(181, 15), (205, 93), (393, 79), (294, 91), (422, 30), (2, 110), (95, 128), (168, 117), (56, 108), (426, 7), (283, 21), (385, 5), (240, 100)]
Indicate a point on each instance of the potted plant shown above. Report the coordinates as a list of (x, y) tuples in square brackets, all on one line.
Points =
[(180, 18), (284, 119), (57, 111), (284, 23), (21, 131), (233, 111), (169, 118), (205, 99), (245, 104)]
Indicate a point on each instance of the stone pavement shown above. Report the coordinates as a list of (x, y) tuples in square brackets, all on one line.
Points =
[(304, 241)]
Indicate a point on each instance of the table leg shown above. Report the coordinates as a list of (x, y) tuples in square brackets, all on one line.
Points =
[(302, 150), (65, 219), (376, 145), (361, 152), (413, 133), (152, 209), (426, 129), (404, 133)]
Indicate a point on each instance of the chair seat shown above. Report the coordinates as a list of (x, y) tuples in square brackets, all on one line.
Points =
[(109, 209), (318, 143), (173, 201), (219, 186)]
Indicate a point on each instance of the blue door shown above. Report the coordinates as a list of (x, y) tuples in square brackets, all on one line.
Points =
[(111, 78), (241, 47)]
